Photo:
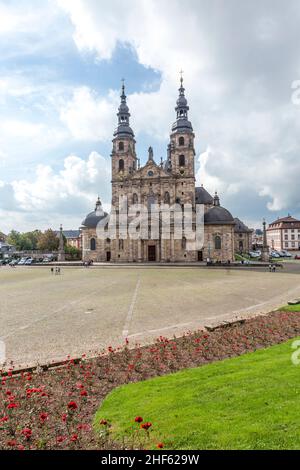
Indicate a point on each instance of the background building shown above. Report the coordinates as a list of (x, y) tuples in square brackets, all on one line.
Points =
[(242, 237), (73, 238), (284, 234), (3, 237), (171, 182)]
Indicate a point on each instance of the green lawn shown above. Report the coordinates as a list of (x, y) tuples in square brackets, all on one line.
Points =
[(249, 402), (291, 308)]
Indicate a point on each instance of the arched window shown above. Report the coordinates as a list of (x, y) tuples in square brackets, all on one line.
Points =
[(151, 202), (181, 141), (121, 244), (93, 244), (121, 146), (135, 199), (181, 160), (167, 198), (218, 242), (121, 164), (183, 243)]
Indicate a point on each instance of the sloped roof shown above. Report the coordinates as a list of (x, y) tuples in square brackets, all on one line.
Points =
[(289, 218), (240, 227), (203, 196), (70, 233)]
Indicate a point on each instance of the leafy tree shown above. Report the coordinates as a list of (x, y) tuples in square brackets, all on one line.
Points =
[(14, 238), (73, 252), (48, 241), (34, 238), (24, 241)]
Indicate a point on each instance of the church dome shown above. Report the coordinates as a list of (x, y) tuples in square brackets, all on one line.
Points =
[(93, 218), (218, 215)]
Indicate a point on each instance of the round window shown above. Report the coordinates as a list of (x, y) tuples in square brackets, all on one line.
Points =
[(150, 173)]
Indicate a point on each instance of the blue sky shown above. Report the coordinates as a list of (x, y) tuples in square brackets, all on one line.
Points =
[(60, 73)]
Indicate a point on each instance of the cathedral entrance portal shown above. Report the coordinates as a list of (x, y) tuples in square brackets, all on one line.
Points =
[(152, 253), (108, 256)]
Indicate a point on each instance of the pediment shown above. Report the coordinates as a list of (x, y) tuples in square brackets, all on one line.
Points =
[(150, 170)]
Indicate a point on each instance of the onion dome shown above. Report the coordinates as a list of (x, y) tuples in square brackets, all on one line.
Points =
[(93, 218), (182, 124), (123, 129)]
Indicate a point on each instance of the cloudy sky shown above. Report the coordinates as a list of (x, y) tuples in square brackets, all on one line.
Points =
[(60, 72)]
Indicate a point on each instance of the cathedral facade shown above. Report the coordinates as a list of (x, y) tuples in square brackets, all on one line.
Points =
[(167, 183)]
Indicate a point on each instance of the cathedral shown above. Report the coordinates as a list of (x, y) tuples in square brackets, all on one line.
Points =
[(167, 183)]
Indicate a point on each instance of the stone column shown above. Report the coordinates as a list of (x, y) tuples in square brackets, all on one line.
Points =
[(265, 250), (61, 249)]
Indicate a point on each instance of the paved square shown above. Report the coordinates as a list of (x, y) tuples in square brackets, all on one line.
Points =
[(46, 317)]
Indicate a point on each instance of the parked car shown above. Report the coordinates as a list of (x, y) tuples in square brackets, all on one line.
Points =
[(14, 262), (297, 257), (46, 260), (286, 254), (275, 254), (281, 254), (29, 261), (254, 254), (22, 261)]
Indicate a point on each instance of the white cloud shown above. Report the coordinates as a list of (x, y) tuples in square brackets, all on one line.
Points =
[(239, 62), (89, 117), (238, 107), (55, 197)]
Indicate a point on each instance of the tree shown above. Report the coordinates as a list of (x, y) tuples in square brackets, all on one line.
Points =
[(13, 238), (74, 252), (33, 237), (48, 241)]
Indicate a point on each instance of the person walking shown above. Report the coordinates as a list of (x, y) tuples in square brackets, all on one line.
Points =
[(270, 267)]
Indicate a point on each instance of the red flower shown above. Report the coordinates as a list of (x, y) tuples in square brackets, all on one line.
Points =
[(72, 405), (160, 445), (60, 439), (44, 417), (83, 393), (146, 426), (12, 405), (12, 443), (103, 422), (20, 447), (4, 419), (64, 418), (74, 438), (84, 427), (27, 433), (138, 419)]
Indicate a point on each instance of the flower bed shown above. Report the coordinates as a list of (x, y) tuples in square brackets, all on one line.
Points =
[(55, 409)]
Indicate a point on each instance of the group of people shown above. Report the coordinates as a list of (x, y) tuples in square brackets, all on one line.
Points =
[(56, 271)]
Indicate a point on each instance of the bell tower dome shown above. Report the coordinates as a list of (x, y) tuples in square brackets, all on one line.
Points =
[(181, 150), (124, 160)]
